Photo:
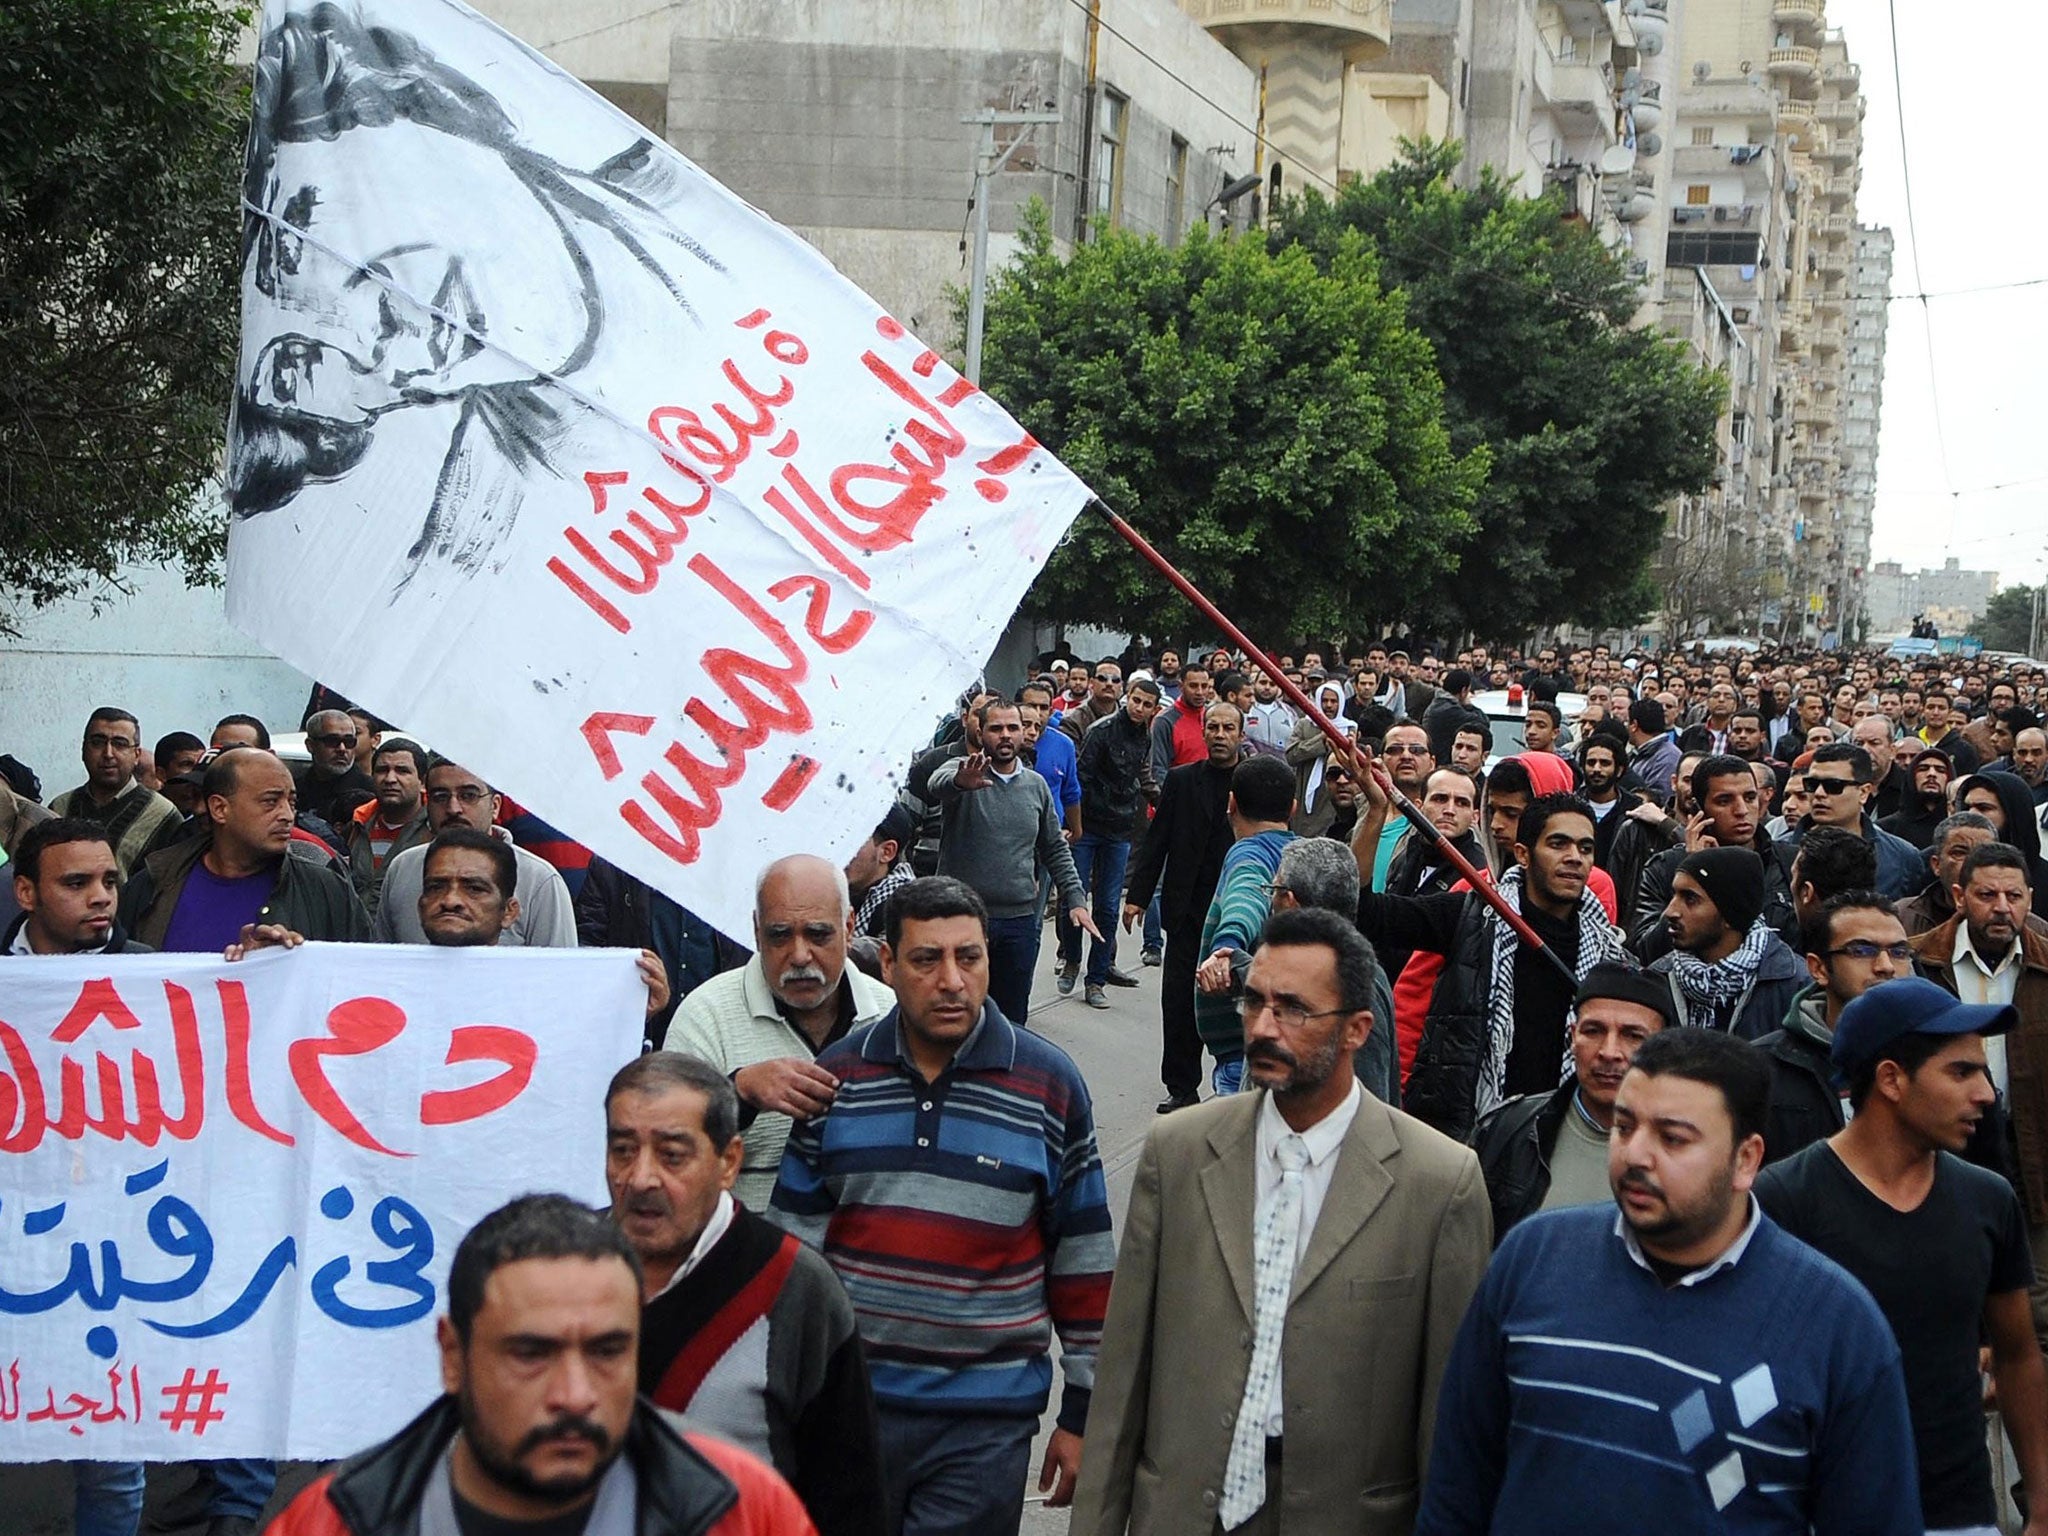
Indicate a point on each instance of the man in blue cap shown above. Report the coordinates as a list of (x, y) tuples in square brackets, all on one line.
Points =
[(1941, 1245)]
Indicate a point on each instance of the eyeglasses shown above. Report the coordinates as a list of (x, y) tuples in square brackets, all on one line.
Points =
[(1288, 1012), (119, 743), (469, 794), (1403, 749), (1870, 949), (1829, 787), (1107, 677), (334, 739), (1331, 775)]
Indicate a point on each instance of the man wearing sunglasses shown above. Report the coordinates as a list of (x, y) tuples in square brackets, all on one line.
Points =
[(331, 786), (1840, 782)]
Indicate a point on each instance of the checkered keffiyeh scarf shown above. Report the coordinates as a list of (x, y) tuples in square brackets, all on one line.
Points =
[(878, 897), (1707, 989), (1598, 940)]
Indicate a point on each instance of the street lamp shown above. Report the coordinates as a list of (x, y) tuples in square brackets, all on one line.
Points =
[(1231, 191)]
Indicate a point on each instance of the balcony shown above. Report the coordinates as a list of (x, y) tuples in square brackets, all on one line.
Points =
[(1849, 77), (1580, 93), (1847, 111), (1796, 122), (1836, 226), (1827, 340), (1797, 65), (1361, 29), (1797, 13)]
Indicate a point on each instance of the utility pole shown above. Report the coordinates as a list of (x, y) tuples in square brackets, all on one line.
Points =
[(986, 163)]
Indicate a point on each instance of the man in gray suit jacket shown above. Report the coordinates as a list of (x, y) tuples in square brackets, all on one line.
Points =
[(1295, 1263)]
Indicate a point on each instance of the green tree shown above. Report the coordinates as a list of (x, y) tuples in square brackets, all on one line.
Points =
[(2008, 620), (1592, 422), (1276, 430), (121, 126)]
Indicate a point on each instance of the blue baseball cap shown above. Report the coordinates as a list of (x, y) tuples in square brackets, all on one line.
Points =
[(1909, 1006)]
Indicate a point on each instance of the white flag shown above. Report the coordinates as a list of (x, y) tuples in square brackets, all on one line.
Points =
[(550, 448)]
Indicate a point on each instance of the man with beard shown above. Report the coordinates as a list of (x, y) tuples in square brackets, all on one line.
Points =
[(1728, 970), (1497, 1023), (1987, 953), (1746, 736), (1314, 1249), (1543, 1151), (765, 1024), (1334, 810), (331, 786), (744, 1330), (1611, 1373), (1727, 813), (1600, 772), (999, 825), (538, 1428), (1925, 804), (1940, 1245), (2030, 761), (1954, 840), (1167, 675)]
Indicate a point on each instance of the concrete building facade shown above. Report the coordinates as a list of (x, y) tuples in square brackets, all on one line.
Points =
[(843, 120), (1952, 597)]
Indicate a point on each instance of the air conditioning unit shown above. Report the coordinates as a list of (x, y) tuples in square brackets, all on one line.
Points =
[(1740, 314), (1721, 215)]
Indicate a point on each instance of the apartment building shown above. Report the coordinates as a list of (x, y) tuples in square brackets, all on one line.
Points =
[(1952, 597), (1869, 293), (1764, 161)]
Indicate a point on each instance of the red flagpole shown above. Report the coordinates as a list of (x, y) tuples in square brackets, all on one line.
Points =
[(1478, 879)]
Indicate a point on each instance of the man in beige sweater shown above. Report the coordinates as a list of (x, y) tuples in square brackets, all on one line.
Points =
[(764, 1024)]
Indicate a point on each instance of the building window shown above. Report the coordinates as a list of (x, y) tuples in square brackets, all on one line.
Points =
[(1110, 127), (1698, 196), (1703, 136), (1176, 187), (1685, 248)]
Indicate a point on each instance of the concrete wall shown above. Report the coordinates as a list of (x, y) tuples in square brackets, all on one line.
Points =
[(842, 119), (163, 651)]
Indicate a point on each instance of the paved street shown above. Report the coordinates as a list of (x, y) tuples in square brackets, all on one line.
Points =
[(1117, 1048)]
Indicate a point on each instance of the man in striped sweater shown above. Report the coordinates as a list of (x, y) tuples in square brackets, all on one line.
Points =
[(955, 1185), (1261, 803)]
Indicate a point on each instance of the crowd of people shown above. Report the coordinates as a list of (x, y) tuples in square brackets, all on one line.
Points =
[(1643, 1124)]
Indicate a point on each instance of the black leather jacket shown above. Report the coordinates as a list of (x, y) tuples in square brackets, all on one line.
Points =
[(1513, 1143)]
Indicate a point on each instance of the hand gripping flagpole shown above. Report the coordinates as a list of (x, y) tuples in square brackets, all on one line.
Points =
[(1476, 878)]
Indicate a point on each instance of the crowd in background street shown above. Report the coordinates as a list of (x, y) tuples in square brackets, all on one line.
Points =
[(1726, 1208)]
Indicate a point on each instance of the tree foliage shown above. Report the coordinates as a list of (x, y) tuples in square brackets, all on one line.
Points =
[(1592, 424), (121, 126), (1275, 428), (2007, 621)]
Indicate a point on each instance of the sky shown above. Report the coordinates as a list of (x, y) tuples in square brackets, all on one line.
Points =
[(1975, 416)]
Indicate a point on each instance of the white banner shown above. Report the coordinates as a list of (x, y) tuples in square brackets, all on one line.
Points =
[(229, 1194), (553, 450)]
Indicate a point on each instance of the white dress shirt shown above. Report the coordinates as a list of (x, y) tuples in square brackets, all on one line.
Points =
[(1977, 982), (1322, 1141), (714, 1229)]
